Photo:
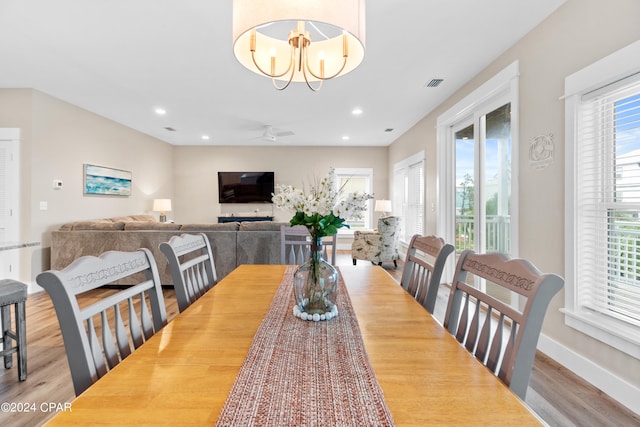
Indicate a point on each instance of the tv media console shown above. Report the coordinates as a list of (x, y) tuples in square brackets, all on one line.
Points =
[(223, 219)]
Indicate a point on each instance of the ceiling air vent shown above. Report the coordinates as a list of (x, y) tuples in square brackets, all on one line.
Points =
[(433, 83), (170, 129)]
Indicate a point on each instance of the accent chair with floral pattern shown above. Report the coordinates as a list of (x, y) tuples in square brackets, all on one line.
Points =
[(380, 245)]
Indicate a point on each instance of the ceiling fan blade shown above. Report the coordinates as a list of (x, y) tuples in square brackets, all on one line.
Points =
[(270, 134), (285, 133)]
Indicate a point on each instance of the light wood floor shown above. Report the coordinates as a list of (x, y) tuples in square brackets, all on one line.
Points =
[(558, 396)]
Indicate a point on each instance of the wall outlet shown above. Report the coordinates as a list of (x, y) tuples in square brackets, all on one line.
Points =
[(44, 206)]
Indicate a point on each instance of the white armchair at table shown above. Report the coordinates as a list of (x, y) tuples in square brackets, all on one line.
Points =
[(380, 245)]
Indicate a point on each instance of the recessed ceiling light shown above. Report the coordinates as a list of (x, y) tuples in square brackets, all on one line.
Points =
[(345, 137), (205, 137), (356, 111), (161, 111)]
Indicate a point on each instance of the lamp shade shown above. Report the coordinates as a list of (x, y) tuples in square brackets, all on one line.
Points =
[(259, 23), (162, 205), (383, 206)]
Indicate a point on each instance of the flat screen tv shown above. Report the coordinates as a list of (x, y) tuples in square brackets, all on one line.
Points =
[(245, 187)]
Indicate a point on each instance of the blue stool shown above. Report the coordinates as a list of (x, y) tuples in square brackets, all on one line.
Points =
[(14, 293)]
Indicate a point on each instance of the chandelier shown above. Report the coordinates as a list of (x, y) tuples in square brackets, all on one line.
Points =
[(274, 38)]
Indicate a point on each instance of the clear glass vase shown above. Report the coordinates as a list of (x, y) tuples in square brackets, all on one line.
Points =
[(315, 285)]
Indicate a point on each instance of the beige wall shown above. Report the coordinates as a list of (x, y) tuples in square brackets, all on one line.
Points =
[(57, 138), (579, 33), (15, 112), (195, 174)]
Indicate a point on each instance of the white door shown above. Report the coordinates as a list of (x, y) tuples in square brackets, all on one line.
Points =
[(9, 191)]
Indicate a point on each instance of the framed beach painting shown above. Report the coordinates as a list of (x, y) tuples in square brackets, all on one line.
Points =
[(106, 181)]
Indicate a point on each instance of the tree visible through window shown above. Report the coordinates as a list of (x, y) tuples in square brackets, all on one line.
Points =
[(483, 181)]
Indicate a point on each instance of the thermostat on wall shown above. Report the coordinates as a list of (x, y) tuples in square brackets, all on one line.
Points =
[(57, 184)]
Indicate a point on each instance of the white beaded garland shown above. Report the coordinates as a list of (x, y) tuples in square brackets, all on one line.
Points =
[(316, 317)]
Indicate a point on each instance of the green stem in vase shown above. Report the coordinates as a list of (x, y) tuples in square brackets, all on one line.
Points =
[(315, 287)]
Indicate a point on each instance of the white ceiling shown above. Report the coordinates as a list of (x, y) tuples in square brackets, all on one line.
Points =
[(123, 58)]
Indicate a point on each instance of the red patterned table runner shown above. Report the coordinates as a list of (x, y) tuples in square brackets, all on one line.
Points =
[(305, 373)]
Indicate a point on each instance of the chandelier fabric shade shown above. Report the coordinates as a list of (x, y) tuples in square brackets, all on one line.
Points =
[(299, 41)]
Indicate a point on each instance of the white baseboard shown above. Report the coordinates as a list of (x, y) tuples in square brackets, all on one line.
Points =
[(616, 387), (33, 287)]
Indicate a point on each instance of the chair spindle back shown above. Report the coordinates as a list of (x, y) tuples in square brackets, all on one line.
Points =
[(502, 337), (131, 315)]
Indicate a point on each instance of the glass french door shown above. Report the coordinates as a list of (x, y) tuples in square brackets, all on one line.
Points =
[(483, 154), (483, 181)]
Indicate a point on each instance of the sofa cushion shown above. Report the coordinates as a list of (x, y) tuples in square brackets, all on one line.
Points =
[(142, 217), (227, 226), (133, 218), (150, 225), (97, 225), (83, 224), (261, 225), (66, 227)]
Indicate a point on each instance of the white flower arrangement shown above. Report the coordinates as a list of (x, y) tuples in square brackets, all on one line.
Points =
[(319, 210)]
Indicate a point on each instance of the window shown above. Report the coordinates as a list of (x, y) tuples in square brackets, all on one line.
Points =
[(483, 180), (603, 188), (408, 195), (477, 180), (352, 180)]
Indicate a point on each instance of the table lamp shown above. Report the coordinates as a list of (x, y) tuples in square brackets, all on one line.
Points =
[(162, 206), (383, 206)]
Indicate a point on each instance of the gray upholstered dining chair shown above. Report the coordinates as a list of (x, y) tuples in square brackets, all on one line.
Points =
[(500, 336), (192, 267), (423, 268), (123, 314), (295, 245)]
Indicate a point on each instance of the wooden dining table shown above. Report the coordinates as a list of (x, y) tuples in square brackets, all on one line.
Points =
[(183, 374)]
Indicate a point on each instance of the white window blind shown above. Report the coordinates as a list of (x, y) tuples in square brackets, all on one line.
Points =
[(607, 242), (354, 184), (352, 180), (399, 196), (415, 205), (408, 195)]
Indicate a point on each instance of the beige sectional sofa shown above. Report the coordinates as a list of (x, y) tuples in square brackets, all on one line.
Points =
[(232, 243)]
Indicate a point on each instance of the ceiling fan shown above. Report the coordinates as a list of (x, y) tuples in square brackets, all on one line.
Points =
[(271, 134)]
